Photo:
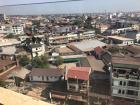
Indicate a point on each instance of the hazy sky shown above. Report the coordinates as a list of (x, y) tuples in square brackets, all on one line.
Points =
[(70, 7)]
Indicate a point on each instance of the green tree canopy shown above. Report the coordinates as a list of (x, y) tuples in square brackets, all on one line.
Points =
[(59, 61), (24, 60), (2, 83), (40, 62)]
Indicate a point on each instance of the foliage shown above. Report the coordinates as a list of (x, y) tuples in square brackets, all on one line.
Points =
[(2, 83), (88, 24), (97, 31), (24, 60), (40, 62), (59, 61), (10, 36), (114, 49), (78, 23)]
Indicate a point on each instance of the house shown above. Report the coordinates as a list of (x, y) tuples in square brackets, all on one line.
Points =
[(17, 29), (6, 67), (45, 75), (122, 41), (19, 76), (37, 49), (98, 52), (8, 46), (88, 46), (99, 78), (78, 79)]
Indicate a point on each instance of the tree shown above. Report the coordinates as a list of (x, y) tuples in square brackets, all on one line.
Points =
[(2, 83), (40, 62), (24, 60), (10, 36), (59, 60), (88, 24)]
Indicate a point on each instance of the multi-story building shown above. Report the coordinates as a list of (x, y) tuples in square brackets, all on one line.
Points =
[(17, 29), (122, 41), (2, 17), (8, 46), (126, 77), (78, 79), (37, 49)]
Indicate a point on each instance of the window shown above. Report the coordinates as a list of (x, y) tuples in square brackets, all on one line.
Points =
[(123, 91), (119, 91), (42, 78), (120, 82), (132, 83), (124, 83), (132, 92)]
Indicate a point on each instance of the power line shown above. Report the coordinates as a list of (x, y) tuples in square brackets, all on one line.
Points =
[(51, 2)]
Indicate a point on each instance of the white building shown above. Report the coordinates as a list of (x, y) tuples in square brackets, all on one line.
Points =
[(122, 41), (138, 37), (45, 75), (37, 49), (24, 37), (8, 46), (87, 35), (17, 29), (125, 78)]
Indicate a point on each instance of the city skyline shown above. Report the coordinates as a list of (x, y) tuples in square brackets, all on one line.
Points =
[(84, 6)]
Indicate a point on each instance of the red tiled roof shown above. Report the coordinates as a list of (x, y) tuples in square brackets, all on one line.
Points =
[(4, 63), (81, 73), (98, 50)]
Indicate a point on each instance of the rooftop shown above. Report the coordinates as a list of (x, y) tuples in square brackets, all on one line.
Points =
[(126, 62), (8, 42), (119, 38), (45, 72), (88, 45), (96, 65), (81, 73), (8, 97), (4, 63), (64, 50)]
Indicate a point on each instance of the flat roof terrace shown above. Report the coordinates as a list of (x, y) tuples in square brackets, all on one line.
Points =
[(120, 38)]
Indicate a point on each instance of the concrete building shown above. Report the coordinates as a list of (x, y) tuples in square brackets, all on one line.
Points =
[(2, 17), (17, 29), (126, 78), (88, 45), (45, 75), (8, 46), (37, 49), (122, 41), (78, 79)]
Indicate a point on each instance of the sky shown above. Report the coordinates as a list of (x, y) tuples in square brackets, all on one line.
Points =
[(83, 6)]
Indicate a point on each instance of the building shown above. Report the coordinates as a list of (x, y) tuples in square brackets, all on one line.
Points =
[(3, 29), (126, 77), (24, 37), (78, 79), (87, 35), (2, 17), (37, 49), (6, 66), (7, 97), (122, 41), (45, 75), (17, 29), (8, 46), (88, 46)]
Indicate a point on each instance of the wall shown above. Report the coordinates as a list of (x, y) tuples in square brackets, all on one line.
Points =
[(44, 78)]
